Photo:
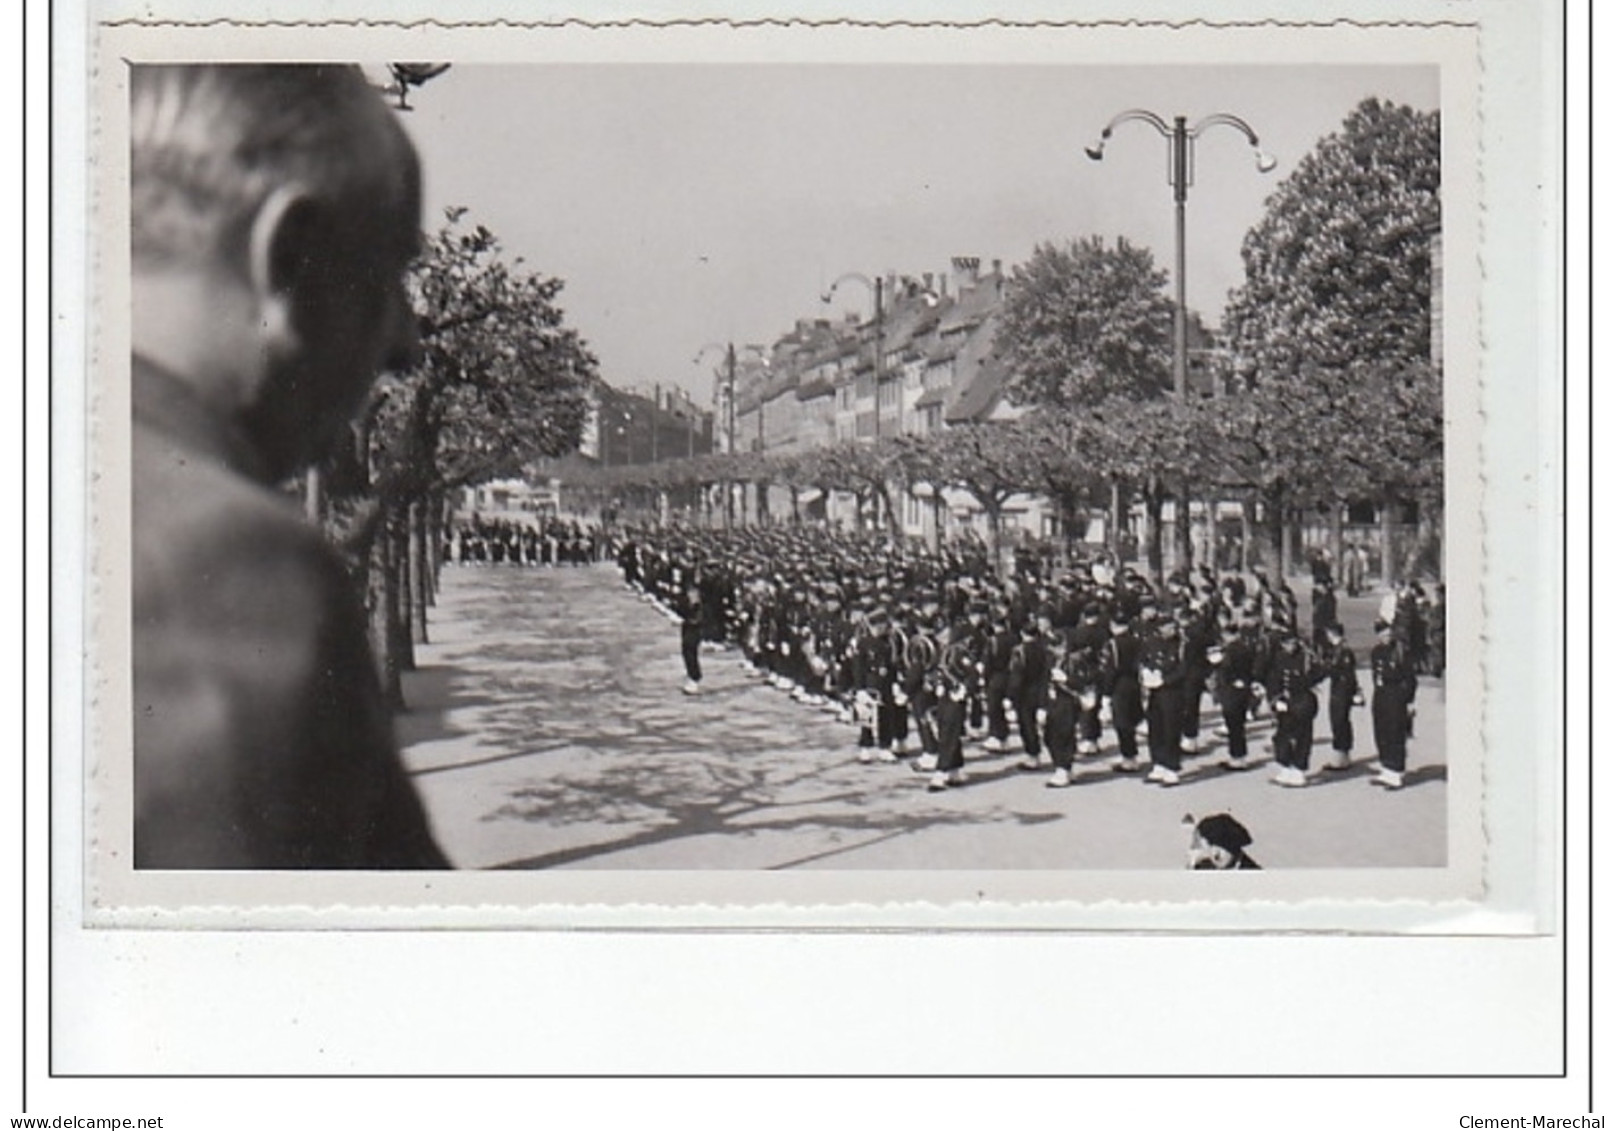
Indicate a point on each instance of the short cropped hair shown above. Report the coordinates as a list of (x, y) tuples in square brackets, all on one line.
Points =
[(210, 142)]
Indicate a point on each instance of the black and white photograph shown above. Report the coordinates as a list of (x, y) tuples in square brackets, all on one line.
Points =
[(795, 467)]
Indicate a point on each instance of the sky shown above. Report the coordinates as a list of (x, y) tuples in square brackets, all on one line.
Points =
[(685, 204)]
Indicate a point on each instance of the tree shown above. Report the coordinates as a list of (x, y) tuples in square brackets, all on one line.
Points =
[(1084, 322), (865, 470), (986, 460), (500, 384), (1332, 324), (502, 381), (1066, 459), (1337, 272)]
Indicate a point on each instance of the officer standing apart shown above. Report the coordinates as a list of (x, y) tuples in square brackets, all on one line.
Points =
[(1343, 694), (1291, 679), (692, 614), (274, 210), (1161, 673), (1395, 684)]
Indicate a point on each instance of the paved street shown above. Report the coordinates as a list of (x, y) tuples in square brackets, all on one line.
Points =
[(546, 729)]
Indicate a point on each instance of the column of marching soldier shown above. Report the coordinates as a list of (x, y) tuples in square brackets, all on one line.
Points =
[(928, 644), (498, 541)]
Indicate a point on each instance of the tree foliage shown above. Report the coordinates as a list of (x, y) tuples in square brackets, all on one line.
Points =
[(1338, 271), (1083, 322), (502, 380), (1331, 328)]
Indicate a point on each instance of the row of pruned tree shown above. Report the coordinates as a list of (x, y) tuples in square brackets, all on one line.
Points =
[(1282, 450)]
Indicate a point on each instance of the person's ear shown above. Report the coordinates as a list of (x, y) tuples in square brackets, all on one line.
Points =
[(282, 252)]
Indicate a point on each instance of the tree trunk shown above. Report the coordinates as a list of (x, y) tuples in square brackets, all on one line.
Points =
[(883, 500), (407, 578), (1182, 532), (1118, 516), (381, 599), (1337, 540), (1272, 556), (995, 541), (435, 543), (1387, 553), (1068, 524), (1427, 544), (419, 568), (403, 612), (1152, 528), (1247, 519), (1287, 554)]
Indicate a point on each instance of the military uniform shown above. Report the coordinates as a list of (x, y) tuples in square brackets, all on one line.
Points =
[(1235, 663), (1395, 685), (1027, 689), (691, 614), (1290, 682), (1000, 650), (956, 684), (1344, 694), (1120, 657), (1199, 634), (1162, 671)]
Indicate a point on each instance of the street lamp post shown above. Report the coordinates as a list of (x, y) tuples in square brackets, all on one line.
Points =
[(728, 349), (728, 421), (655, 424), (1180, 138), (876, 289)]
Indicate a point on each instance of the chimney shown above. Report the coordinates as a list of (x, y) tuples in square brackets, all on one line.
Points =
[(968, 269), (998, 267), (928, 277)]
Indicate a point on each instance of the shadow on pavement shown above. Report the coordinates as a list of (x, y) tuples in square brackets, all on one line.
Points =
[(715, 799)]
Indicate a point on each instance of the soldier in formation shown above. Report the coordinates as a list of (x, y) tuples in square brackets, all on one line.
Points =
[(499, 541), (923, 649)]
